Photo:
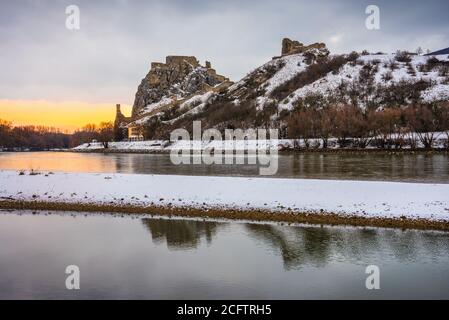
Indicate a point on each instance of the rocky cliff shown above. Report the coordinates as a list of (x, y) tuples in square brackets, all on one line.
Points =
[(176, 79), (175, 93)]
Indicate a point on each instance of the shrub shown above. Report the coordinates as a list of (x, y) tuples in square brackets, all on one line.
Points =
[(34, 173), (309, 58), (422, 68), (403, 56), (353, 56), (393, 65), (401, 93), (431, 63), (387, 76), (443, 71), (424, 120), (410, 69), (366, 74)]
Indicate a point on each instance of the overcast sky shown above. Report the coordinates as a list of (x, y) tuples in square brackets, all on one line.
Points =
[(106, 59)]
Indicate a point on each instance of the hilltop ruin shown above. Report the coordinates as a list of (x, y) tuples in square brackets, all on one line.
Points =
[(295, 47), (169, 84)]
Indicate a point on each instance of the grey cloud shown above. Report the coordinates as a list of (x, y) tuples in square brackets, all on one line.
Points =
[(105, 60)]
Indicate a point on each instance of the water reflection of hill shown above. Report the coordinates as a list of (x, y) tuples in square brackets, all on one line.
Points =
[(309, 246), (181, 234), (315, 246)]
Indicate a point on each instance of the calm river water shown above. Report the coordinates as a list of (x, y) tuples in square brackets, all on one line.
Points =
[(135, 257), (372, 166)]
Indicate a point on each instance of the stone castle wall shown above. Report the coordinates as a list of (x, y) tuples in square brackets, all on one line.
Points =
[(295, 47)]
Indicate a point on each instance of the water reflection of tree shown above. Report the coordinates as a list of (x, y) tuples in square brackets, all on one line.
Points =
[(300, 246), (297, 246), (180, 234)]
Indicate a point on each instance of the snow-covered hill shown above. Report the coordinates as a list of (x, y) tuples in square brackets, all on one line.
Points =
[(387, 72), (379, 72), (302, 77)]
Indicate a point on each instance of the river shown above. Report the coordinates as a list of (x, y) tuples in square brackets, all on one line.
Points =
[(155, 258), (427, 168)]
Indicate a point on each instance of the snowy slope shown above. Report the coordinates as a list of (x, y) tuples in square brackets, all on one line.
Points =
[(258, 87), (350, 73)]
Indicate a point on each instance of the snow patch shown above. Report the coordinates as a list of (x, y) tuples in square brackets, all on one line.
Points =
[(359, 198)]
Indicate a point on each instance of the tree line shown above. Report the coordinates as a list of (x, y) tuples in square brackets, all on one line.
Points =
[(358, 128), (46, 138), (353, 127)]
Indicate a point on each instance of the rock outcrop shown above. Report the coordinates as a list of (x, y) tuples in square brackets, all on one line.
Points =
[(177, 78), (168, 85), (295, 47)]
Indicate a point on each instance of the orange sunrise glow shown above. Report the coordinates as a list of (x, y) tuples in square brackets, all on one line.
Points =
[(66, 115)]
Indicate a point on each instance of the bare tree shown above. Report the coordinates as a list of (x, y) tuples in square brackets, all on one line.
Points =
[(325, 124), (302, 125), (5, 133), (344, 124), (445, 122), (423, 122), (386, 126), (106, 133)]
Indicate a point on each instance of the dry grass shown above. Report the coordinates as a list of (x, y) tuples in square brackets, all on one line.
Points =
[(254, 215)]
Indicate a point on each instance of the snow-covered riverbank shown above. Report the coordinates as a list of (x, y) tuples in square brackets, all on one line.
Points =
[(347, 198), (440, 142)]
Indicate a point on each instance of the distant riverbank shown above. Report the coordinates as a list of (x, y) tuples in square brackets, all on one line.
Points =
[(380, 204), (284, 151), (411, 144)]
